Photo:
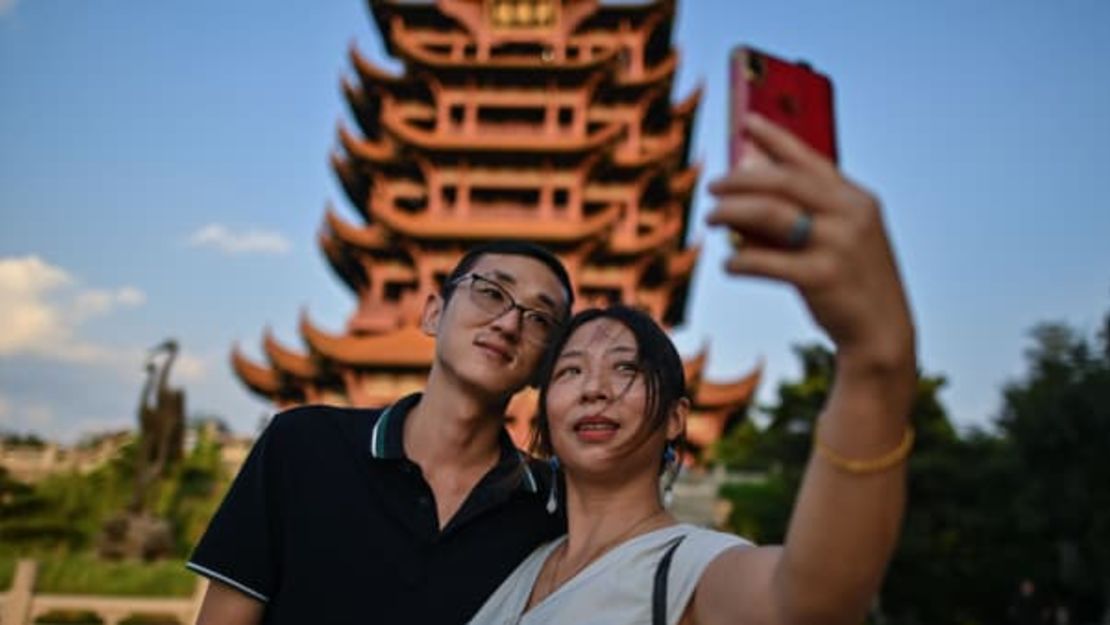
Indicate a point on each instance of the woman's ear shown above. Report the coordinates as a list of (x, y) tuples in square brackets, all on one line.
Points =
[(676, 421), (433, 310)]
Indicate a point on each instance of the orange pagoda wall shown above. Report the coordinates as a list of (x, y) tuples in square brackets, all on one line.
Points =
[(544, 120)]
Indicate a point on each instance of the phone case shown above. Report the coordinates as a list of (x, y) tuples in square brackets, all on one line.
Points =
[(792, 95)]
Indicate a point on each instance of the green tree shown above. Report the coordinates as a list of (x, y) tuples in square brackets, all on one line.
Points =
[(761, 508), (985, 511), (921, 587), (1057, 419)]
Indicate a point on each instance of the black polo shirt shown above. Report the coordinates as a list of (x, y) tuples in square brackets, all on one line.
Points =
[(329, 522)]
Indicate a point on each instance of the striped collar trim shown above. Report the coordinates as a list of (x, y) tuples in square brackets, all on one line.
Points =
[(387, 441), (386, 436)]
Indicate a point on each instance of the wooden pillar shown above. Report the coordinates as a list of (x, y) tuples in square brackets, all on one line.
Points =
[(547, 198), (462, 191), (17, 604)]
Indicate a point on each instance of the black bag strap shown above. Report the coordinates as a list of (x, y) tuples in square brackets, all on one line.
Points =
[(659, 590)]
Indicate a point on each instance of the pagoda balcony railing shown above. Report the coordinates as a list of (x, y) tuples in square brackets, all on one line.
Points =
[(473, 208), (457, 48), (415, 110), (474, 115), (496, 138), (486, 220)]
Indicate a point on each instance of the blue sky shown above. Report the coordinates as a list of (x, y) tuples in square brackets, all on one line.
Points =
[(163, 171)]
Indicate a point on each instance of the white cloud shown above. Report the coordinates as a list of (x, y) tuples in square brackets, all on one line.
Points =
[(190, 368), (69, 371), (95, 302), (43, 308), (224, 239), (30, 321), (130, 296), (29, 275)]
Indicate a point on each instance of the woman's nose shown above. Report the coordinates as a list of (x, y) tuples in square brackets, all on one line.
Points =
[(595, 387)]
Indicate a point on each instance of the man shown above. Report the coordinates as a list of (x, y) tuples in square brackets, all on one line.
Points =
[(413, 513)]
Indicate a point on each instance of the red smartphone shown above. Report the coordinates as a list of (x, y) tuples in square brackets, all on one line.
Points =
[(792, 95)]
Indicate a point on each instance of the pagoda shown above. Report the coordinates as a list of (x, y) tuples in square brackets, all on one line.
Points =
[(543, 120)]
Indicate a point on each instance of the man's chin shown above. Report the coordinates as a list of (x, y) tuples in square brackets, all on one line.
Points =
[(492, 386)]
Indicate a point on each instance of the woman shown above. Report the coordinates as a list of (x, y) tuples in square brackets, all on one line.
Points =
[(612, 404)]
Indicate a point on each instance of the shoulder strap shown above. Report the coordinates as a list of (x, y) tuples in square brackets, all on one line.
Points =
[(659, 590)]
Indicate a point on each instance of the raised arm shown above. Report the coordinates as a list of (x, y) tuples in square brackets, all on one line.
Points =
[(801, 222)]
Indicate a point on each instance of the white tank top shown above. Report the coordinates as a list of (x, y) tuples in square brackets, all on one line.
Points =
[(616, 588)]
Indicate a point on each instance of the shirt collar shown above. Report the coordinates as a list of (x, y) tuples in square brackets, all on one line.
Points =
[(387, 442)]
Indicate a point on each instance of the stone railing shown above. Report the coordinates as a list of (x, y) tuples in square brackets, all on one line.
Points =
[(20, 605)]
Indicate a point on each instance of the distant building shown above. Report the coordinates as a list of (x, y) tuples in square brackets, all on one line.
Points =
[(32, 463), (543, 120)]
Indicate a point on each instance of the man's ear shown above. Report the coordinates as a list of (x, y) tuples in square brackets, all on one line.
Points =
[(676, 421), (433, 310)]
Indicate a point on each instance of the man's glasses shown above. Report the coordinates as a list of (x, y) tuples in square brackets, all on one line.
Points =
[(537, 326)]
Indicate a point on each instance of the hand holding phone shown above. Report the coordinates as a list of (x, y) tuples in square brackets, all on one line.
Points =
[(793, 216), (792, 95)]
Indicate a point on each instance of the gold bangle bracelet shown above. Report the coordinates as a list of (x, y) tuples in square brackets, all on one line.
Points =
[(874, 465)]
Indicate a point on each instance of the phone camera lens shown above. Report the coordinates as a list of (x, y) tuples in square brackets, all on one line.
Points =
[(755, 67)]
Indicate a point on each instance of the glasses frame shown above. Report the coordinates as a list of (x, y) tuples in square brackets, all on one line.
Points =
[(510, 303)]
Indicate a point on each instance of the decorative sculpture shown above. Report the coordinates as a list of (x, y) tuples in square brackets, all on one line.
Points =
[(161, 424), (136, 533)]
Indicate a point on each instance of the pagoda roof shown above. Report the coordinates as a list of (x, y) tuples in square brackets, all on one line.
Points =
[(638, 10), (287, 360), (658, 238), (370, 237), (692, 368), (669, 148), (261, 379), (405, 347), (379, 82), (681, 263), (474, 227), (345, 266), (682, 182), (689, 105), (499, 142), (358, 103), (661, 71), (728, 394), (715, 403), (385, 10), (370, 74), (672, 143), (366, 149), (355, 184), (685, 111)]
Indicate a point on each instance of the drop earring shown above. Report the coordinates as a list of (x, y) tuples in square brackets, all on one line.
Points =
[(553, 492), (671, 466)]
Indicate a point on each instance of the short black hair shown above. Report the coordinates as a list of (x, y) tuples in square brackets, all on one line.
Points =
[(509, 248), (659, 362)]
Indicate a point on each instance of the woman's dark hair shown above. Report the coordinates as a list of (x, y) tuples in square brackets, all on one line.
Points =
[(659, 364)]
